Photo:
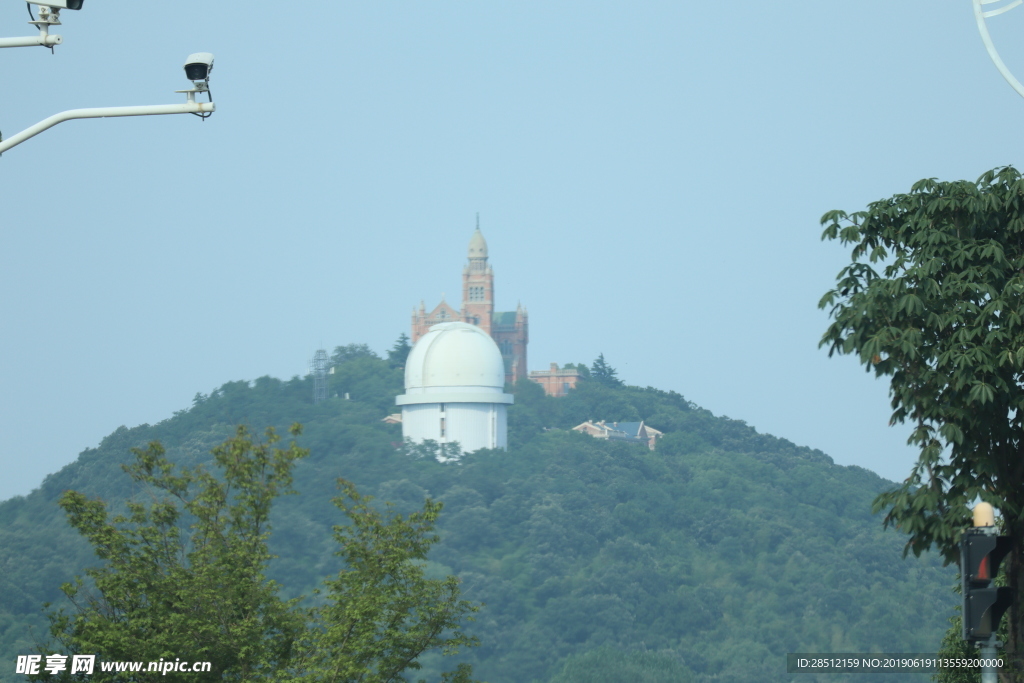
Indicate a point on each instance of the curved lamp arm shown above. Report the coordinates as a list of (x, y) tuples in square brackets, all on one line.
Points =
[(980, 17), (103, 112)]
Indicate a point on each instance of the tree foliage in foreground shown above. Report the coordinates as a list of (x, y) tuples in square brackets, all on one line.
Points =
[(934, 300), (184, 577), (381, 612)]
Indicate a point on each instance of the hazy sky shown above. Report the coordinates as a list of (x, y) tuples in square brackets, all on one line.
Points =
[(649, 177)]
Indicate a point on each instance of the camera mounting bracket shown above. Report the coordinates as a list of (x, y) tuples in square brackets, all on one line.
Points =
[(190, 94), (48, 16)]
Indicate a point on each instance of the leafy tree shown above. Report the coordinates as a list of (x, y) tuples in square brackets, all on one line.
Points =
[(604, 373), (367, 380), (198, 593), (185, 577), (944, 320), (399, 352), (381, 612), (349, 352)]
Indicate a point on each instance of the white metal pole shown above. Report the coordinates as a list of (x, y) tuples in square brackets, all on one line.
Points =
[(980, 16), (988, 654), (104, 112), (46, 40)]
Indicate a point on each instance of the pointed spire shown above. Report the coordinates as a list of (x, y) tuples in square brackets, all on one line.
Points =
[(477, 243)]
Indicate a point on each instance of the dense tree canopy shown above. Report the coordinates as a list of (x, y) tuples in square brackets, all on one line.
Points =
[(349, 352), (934, 300), (184, 577), (607, 665)]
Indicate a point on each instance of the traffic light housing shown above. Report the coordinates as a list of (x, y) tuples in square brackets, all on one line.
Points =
[(981, 551)]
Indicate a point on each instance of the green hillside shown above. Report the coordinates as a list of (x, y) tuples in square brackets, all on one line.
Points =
[(710, 557)]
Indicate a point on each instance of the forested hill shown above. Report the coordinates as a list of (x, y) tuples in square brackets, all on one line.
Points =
[(707, 559)]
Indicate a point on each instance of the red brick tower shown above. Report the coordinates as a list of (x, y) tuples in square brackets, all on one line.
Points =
[(478, 285), (509, 329)]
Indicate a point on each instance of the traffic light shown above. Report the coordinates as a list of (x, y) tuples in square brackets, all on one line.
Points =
[(981, 551)]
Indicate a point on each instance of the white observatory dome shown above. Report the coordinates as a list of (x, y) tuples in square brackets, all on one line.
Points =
[(455, 356), (454, 389)]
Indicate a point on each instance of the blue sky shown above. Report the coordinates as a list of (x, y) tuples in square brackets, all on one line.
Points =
[(649, 178)]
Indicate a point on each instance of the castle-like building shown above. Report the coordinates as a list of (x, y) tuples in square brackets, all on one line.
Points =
[(509, 329)]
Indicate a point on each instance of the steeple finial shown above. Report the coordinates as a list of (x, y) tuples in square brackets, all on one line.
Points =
[(477, 220)]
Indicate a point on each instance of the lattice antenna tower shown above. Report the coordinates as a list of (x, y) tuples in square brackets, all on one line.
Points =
[(319, 368)]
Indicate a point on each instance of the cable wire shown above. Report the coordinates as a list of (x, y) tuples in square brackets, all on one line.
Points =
[(205, 115)]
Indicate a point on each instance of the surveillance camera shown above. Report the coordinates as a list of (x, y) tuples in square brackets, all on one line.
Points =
[(59, 4), (198, 66)]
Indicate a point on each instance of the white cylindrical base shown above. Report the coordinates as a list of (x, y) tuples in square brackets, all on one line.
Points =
[(472, 425)]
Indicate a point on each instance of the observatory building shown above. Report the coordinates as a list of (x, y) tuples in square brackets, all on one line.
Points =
[(454, 389)]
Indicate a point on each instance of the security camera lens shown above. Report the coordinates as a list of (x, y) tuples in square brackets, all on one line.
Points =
[(196, 72), (75, 4)]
